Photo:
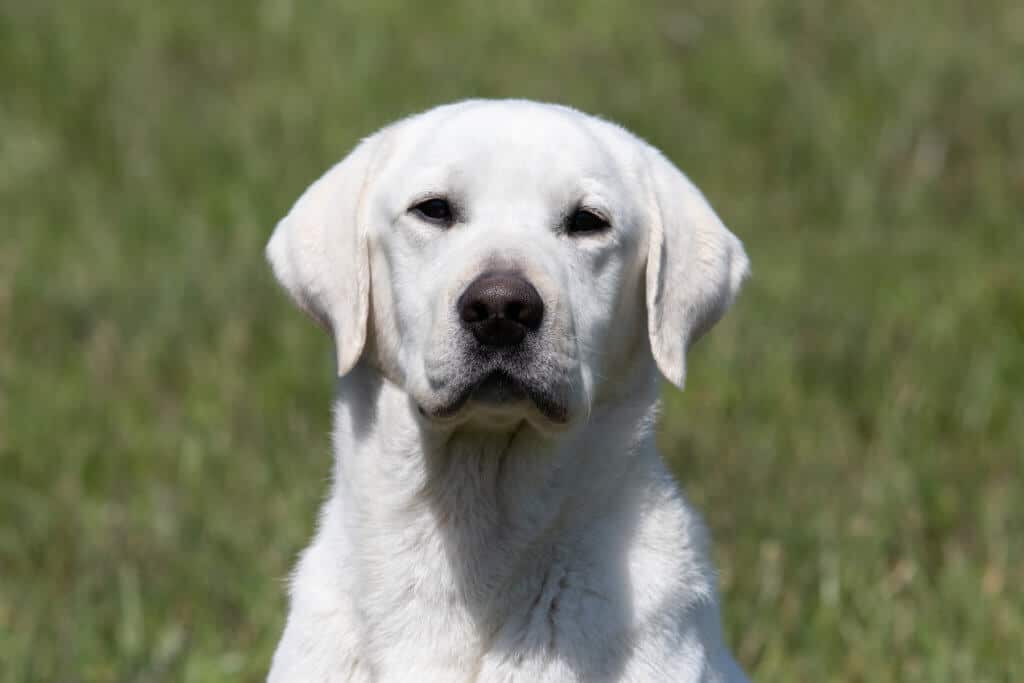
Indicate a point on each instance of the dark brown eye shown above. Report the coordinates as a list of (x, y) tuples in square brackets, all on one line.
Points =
[(584, 221), (435, 210)]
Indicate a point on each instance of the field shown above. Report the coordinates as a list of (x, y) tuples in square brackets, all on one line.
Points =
[(853, 430)]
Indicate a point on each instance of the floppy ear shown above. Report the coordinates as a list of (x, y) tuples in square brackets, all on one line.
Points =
[(318, 253), (695, 267)]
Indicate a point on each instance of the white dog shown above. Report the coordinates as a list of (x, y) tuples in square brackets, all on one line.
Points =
[(502, 280)]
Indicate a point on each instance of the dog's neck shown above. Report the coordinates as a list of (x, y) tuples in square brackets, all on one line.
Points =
[(462, 518)]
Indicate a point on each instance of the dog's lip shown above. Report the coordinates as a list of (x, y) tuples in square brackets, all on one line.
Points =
[(498, 388), (495, 388)]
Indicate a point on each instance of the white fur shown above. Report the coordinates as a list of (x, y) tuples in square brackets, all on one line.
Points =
[(505, 541)]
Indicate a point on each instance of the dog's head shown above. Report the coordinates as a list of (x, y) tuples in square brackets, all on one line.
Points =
[(506, 260)]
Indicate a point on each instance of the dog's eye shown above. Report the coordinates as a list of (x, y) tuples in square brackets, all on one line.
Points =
[(435, 210), (584, 221)]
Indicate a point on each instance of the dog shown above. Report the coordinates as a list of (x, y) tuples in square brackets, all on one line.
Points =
[(504, 281)]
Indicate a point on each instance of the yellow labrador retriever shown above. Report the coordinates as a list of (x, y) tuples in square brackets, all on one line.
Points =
[(503, 281)]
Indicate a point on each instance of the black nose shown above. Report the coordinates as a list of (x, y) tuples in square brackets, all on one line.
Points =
[(500, 308)]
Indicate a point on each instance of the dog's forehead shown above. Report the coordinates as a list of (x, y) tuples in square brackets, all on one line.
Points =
[(545, 143)]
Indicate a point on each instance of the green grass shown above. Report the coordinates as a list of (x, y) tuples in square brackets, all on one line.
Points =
[(853, 431)]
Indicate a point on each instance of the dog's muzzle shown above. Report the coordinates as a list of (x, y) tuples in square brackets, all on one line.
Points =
[(504, 363)]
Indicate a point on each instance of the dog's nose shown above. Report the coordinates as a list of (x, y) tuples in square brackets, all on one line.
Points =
[(500, 308)]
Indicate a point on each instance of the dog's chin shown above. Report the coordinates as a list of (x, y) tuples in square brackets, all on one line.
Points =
[(498, 398)]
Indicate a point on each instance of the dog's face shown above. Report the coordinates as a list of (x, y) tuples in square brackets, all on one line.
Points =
[(507, 244), (505, 260)]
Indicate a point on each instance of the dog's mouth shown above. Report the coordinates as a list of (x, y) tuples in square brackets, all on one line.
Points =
[(498, 387), (499, 391)]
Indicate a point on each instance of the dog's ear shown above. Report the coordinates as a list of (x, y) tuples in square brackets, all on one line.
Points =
[(695, 267), (319, 253)]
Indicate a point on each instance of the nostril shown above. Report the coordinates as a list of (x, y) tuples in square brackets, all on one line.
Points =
[(512, 311), (472, 309), (529, 313), (475, 312)]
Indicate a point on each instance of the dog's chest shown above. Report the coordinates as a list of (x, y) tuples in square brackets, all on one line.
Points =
[(443, 630), (457, 583)]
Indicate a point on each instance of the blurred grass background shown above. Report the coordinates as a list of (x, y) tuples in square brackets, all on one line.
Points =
[(853, 430)]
